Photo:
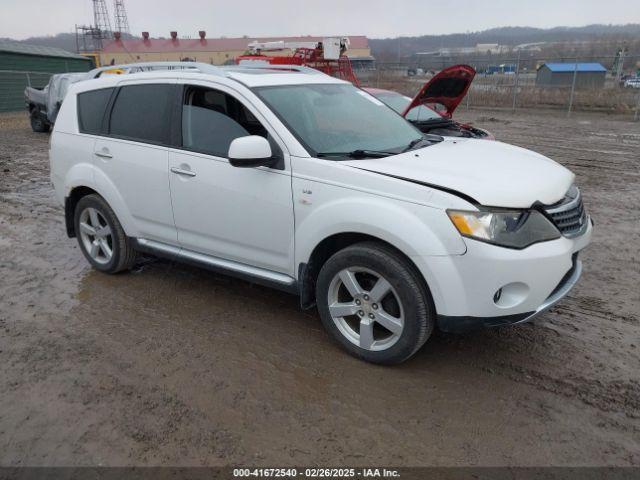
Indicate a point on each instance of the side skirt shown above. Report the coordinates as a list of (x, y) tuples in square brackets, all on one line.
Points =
[(249, 273)]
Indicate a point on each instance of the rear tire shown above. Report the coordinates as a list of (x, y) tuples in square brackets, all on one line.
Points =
[(38, 124), (101, 236), (374, 302)]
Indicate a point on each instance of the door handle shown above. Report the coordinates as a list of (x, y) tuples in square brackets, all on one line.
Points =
[(103, 154), (181, 171)]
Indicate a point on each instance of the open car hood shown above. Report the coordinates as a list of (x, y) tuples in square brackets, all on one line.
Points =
[(447, 88)]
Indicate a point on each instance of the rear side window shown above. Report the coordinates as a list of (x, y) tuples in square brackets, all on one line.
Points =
[(91, 107), (142, 113)]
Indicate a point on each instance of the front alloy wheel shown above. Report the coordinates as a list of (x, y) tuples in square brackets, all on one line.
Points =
[(365, 308), (375, 303)]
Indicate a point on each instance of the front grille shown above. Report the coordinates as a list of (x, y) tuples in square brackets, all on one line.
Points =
[(569, 214)]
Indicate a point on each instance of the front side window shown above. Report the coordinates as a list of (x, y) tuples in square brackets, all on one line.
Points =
[(91, 107), (142, 113), (211, 120), (330, 119)]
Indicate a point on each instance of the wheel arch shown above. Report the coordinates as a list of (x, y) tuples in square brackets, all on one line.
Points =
[(413, 231), (84, 179), (308, 271), (70, 203)]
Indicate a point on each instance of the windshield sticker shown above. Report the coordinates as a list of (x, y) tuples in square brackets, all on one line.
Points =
[(371, 98)]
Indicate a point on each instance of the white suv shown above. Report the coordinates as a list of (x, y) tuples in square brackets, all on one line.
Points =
[(294, 179)]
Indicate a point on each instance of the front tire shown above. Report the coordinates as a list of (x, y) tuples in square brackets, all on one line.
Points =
[(374, 303), (101, 237)]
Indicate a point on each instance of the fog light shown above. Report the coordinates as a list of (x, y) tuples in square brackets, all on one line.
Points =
[(510, 295), (497, 295)]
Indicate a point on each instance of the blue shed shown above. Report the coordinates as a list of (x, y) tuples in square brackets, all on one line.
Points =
[(588, 75)]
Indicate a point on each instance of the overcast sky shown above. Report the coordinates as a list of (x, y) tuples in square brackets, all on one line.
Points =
[(376, 18)]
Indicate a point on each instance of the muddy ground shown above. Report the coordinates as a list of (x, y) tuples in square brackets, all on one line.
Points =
[(171, 365)]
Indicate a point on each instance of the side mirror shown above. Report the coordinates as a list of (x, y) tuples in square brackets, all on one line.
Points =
[(250, 151)]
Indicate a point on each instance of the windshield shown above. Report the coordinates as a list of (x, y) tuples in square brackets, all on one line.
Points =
[(400, 102), (338, 118)]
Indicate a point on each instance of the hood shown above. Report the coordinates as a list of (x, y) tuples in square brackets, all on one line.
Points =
[(447, 88), (491, 173)]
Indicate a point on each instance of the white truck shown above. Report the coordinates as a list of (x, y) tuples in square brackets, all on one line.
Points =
[(43, 104)]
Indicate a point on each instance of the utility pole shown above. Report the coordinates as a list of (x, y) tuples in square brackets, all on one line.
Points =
[(619, 63), (573, 87), (515, 82)]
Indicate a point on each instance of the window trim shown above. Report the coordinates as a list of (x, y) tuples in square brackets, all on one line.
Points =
[(167, 130)]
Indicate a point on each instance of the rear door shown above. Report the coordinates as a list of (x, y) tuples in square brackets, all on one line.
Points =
[(134, 156)]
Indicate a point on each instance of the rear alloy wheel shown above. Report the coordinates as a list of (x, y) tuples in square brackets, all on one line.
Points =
[(373, 301), (101, 237), (96, 235)]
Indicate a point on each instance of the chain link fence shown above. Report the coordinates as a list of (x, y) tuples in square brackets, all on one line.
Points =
[(522, 82), (509, 83)]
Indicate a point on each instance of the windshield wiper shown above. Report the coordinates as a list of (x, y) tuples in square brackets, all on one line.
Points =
[(357, 154), (425, 138), (413, 143)]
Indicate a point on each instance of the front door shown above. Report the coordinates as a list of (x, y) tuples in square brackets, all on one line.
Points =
[(239, 214)]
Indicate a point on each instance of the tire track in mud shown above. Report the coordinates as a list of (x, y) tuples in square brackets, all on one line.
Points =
[(589, 307), (611, 396)]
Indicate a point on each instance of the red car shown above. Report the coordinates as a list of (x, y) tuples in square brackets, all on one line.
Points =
[(431, 110)]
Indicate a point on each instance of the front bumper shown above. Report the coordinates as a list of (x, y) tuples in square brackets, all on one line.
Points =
[(490, 285), (465, 324)]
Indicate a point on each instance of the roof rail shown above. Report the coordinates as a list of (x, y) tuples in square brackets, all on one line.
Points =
[(199, 67), (258, 64)]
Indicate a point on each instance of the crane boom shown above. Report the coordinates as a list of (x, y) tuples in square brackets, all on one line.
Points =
[(331, 47)]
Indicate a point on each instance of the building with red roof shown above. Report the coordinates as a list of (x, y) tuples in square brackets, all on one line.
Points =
[(216, 51)]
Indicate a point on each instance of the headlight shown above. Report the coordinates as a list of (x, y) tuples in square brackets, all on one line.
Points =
[(513, 229)]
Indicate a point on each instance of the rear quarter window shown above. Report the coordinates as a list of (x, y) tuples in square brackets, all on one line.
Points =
[(91, 109)]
